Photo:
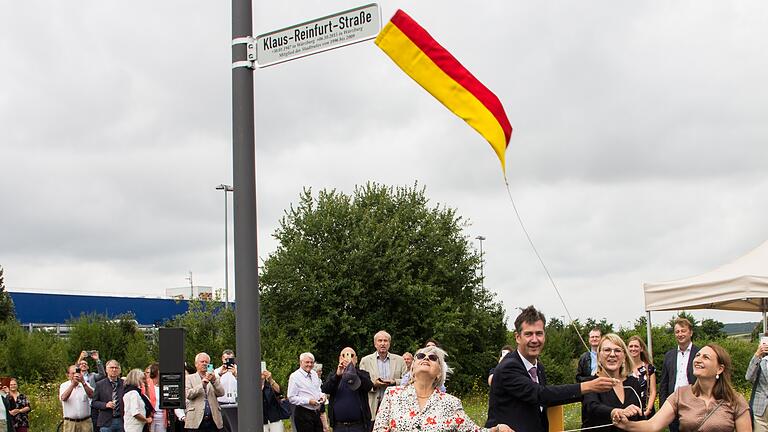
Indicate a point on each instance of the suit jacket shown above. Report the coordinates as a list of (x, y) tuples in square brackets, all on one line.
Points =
[(669, 373), (515, 400), (196, 395), (331, 386), (584, 373), (102, 394), (396, 367), (757, 374)]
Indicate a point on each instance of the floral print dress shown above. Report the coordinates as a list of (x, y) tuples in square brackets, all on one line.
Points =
[(399, 411), (19, 420)]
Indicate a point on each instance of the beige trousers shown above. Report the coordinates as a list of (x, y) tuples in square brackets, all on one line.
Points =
[(81, 426), (761, 422)]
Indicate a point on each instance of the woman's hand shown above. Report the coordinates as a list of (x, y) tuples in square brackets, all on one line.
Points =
[(504, 428)]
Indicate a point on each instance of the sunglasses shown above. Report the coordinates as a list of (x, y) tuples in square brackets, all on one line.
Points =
[(422, 356)]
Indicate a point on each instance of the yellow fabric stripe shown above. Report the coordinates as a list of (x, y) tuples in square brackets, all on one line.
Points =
[(456, 98)]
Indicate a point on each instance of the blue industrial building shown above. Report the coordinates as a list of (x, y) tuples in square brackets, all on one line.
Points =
[(60, 308)]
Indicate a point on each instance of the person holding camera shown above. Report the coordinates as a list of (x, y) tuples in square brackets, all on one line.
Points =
[(91, 377), (757, 374), (227, 372), (75, 395), (202, 389), (348, 388)]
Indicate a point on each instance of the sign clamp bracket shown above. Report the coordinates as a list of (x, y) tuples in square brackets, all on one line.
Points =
[(250, 46)]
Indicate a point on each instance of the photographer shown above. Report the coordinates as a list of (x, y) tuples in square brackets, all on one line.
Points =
[(91, 377), (75, 396), (228, 374)]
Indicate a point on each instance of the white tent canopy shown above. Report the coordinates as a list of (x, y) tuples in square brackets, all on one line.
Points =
[(741, 285)]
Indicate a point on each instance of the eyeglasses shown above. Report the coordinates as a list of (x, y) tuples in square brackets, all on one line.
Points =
[(616, 351), (422, 356)]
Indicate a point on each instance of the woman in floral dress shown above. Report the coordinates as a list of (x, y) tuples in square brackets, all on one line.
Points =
[(421, 405)]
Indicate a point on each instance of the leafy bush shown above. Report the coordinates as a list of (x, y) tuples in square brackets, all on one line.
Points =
[(118, 338)]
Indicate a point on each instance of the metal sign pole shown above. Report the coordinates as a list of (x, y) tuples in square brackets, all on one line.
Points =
[(247, 312)]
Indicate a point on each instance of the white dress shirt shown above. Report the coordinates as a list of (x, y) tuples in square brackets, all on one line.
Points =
[(229, 382), (681, 378), (303, 386), (77, 406)]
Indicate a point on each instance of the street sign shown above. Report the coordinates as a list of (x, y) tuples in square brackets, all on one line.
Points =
[(318, 35)]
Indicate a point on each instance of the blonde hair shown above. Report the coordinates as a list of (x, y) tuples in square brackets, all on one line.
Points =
[(626, 366), (134, 377)]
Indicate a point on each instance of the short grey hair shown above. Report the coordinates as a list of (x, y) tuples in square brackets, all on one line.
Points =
[(134, 377), (382, 333), (445, 370), (199, 355), (304, 355)]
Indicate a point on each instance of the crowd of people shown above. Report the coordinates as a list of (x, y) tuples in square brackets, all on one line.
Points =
[(385, 392)]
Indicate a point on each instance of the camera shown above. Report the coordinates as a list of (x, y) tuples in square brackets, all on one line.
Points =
[(77, 370), (229, 363)]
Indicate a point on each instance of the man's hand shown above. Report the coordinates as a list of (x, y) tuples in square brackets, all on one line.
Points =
[(762, 350), (342, 365), (110, 405), (95, 355), (504, 428), (314, 402), (149, 420), (598, 385)]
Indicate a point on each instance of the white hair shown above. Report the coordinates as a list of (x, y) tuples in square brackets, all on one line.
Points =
[(382, 333), (199, 355), (309, 355), (445, 370)]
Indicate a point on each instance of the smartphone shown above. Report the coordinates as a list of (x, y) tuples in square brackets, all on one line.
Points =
[(210, 368), (764, 340), (263, 366)]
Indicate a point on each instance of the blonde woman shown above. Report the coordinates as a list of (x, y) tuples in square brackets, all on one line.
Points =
[(710, 404), (612, 362), (137, 409), (644, 371)]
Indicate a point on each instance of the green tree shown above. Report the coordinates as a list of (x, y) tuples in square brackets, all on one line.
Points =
[(7, 310), (118, 338), (382, 258), (210, 328)]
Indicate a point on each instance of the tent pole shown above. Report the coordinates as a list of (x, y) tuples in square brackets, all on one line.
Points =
[(648, 333)]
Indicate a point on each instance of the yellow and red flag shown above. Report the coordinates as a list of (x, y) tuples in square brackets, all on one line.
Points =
[(435, 69)]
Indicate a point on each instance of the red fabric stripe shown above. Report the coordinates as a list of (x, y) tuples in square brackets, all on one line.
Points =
[(448, 63)]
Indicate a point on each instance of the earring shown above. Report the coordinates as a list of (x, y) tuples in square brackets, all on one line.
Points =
[(717, 377)]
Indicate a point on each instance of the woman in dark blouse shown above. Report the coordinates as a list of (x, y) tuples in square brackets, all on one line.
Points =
[(18, 408), (613, 362)]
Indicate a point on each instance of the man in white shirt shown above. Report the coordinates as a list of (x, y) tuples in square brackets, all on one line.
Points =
[(228, 375), (74, 395), (4, 415), (305, 394), (678, 364)]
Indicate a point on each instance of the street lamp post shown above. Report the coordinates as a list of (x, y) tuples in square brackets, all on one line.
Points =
[(226, 188), (482, 260)]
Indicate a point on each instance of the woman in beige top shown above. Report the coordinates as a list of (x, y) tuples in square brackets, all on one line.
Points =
[(710, 404)]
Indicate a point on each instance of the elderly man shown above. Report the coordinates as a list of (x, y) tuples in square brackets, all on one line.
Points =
[(588, 360), (348, 408), (108, 400), (228, 374), (305, 394), (202, 389), (386, 369), (519, 391), (75, 396)]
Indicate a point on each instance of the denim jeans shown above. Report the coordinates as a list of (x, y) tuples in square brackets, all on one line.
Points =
[(115, 426)]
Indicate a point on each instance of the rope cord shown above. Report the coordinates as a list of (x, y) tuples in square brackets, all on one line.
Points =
[(546, 270)]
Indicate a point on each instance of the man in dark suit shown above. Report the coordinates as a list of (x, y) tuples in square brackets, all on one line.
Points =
[(108, 400), (588, 360), (348, 409), (519, 391), (673, 377)]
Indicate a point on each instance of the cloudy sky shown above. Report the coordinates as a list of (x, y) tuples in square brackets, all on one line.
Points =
[(638, 154)]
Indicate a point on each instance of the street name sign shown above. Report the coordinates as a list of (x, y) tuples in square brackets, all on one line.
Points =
[(318, 35)]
